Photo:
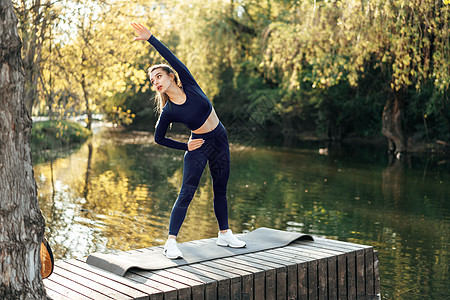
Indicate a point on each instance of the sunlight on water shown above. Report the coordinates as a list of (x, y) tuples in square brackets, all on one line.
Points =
[(116, 192)]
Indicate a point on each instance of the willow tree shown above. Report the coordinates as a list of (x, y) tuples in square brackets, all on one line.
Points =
[(22, 224), (325, 44), (415, 50), (35, 17), (94, 59)]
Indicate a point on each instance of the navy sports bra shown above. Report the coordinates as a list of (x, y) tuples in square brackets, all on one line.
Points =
[(193, 112)]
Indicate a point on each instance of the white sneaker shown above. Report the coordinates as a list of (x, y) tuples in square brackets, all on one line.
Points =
[(228, 239), (171, 250)]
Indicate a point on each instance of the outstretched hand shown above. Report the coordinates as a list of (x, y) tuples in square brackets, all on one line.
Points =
[(142, 32)]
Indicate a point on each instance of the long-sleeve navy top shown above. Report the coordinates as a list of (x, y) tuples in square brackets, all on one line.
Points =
[(192, 113)]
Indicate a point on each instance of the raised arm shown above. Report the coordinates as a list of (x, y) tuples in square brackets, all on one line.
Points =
[(145, 35)]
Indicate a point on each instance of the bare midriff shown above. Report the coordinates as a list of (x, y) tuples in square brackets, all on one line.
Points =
[(210, 123)]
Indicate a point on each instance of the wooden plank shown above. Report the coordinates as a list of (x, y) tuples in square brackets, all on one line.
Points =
[(368, 262), (263, 261), (322, 274), (125, 289), (281, 257), (332, 264), (336, 242), (376, 273), (324, 249), (235, 280), (292, 282), (329, 248), (210, 285), (351, 275), (63, 290), (257, 280), (223, 280), (55, 295), (267, 289), (337, 278), (309, 249), (169, 292), (108, 291), (154, 293), (281, 282), (332, 277), (78, 290), (183, 290), (302, 273), (360, 280), (317, 286), (342, 276), (271, 274), (246, 288), (327, 280), (196, 287), (305, 255), (259, 276), (363, 278), (281, 285), (326, 268), (337, 274), (281, 277), (292, 270), (312, 280)]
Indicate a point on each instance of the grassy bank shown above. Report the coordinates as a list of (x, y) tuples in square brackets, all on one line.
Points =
[(56, 134)]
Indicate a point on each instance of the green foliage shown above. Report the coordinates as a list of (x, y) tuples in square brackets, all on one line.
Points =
[(428, 115), (54, 134), (400, 46), (119, 116)]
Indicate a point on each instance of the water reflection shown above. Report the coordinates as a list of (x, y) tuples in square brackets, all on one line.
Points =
[(116, 193)]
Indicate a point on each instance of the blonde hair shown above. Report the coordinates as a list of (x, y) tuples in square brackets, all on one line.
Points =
[(162, 98)]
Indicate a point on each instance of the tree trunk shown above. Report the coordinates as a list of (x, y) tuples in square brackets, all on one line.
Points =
[(21, 221), (88, 172), (392, 125), (86, 101), (85, 92)]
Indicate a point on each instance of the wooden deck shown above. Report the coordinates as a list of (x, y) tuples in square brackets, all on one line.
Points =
[(323, 269)]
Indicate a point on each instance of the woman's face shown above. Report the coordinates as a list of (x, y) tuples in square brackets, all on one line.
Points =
[(161, 80)]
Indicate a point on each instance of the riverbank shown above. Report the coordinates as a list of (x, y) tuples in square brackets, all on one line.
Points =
[(414, 144), (55, 134)]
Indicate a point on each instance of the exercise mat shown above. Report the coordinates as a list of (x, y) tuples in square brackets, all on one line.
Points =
[(193, 252)]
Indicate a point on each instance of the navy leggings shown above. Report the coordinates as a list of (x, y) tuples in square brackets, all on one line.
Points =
[(216, 151)]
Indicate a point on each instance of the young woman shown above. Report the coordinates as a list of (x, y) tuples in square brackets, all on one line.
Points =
[(186, 103)]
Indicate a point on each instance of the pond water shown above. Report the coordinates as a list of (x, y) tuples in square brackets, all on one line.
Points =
[(116, 192)]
